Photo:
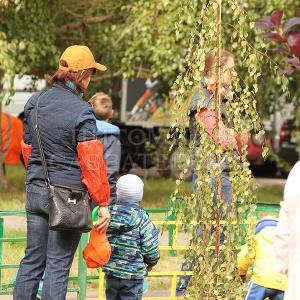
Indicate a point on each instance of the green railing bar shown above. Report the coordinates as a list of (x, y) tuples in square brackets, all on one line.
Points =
[(12, 213), (6, 286), (90, 277), (266, 204), (16, 239), (73, 289), (1, 235), (6, 292), (156, 210), (171, 217), (82, 268), (267, 209), (9, 266)]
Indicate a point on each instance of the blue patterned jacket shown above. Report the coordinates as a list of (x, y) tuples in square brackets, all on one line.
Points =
[(134, 242)]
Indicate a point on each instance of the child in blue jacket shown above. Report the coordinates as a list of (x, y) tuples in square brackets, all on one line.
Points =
[(134, 242), (108, 135)]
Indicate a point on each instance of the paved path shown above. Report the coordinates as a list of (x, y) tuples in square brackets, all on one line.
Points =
[(94, 295), (271, 181), (15, 223)]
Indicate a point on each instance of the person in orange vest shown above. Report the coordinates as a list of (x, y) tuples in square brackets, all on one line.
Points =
[(11, 136)]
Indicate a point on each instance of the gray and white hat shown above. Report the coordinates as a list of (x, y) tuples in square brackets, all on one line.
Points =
[(130, 188)]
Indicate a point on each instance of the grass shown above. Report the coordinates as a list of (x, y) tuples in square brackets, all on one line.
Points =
[(270, 193), (12, 254), (156, 193), (14, 198)]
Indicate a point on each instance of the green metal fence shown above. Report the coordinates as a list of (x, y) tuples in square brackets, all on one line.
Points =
[(7, 289), (82, 278)]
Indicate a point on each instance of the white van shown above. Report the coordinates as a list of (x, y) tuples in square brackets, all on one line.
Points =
[(24, 88)]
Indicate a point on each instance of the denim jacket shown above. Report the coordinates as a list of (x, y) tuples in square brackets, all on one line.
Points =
[(64, 119)]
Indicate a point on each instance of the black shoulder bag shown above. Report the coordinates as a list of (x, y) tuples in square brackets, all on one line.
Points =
[(68, 209)]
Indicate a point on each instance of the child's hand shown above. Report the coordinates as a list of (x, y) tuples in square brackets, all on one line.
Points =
[(149, 269)]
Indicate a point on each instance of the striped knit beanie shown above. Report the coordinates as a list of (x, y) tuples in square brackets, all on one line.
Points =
[(130, 188)]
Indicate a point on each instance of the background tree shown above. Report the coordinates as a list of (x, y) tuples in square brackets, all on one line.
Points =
[(129, 35), (286, 37), (156, 39), (22, 45), (33, 34)]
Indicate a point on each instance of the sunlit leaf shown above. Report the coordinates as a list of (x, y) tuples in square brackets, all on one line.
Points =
[(273, 37), (280, 49), (294, 62), (293, 40), (263, 25), (288, 24), (276, 18), (287, 70)]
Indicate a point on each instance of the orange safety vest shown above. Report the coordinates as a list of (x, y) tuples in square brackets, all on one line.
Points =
[(11, 136)]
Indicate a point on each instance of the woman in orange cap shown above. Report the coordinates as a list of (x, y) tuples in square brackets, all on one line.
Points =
[(73, 155)]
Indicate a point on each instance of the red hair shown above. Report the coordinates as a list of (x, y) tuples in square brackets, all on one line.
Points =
[(75, 77)]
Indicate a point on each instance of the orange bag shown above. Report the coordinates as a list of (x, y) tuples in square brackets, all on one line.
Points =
[(26, 151), (97, 252)]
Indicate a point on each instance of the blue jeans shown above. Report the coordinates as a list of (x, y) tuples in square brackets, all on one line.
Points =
[(53, 250), (123, 289), (258, 292), (226, 195)]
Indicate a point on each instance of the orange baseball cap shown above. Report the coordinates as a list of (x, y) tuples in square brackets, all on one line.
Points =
[(97, 252), (79, 58)]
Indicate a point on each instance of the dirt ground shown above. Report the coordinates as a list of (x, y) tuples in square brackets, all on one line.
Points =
[(94, 295)]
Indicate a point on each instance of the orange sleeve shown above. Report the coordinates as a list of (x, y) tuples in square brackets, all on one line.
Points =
[(26, 152), (242, 139), (93, 170), (208, 119)]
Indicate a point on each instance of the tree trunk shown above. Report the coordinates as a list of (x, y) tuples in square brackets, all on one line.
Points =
[(218, 118), (3, 180)]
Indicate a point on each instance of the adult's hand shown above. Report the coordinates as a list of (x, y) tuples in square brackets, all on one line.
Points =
[(243, 278), (104, 218)]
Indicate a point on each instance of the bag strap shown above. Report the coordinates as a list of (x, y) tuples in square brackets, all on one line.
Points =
[(40, 146)]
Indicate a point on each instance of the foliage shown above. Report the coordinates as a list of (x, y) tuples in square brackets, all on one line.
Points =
[(62, 23), (24, 47), (156, 33), (187, 42), (126, 36), (287, 37), (7, 66)]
